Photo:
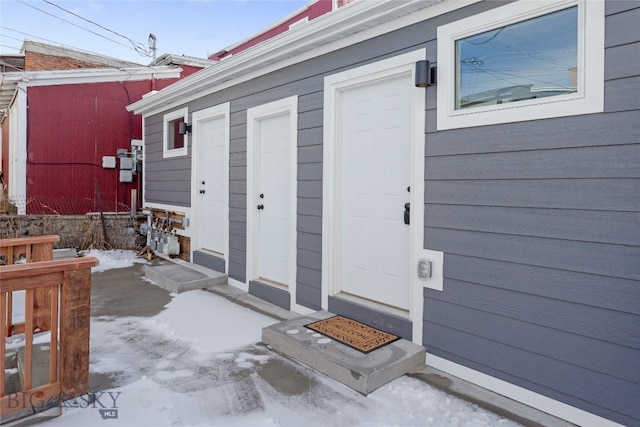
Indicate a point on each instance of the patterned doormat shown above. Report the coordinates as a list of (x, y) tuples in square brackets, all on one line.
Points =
[(352, 333)]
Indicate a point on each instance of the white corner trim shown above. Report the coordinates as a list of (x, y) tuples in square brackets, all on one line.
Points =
[(17, 160), (589, 98), (517, 393), (237, 284)]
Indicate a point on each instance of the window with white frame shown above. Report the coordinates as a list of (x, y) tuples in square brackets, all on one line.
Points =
[(174, 141), (523, 61)]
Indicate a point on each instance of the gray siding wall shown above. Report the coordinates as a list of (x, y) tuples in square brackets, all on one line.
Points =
[(166, 181), (538, 222), (540, 225)]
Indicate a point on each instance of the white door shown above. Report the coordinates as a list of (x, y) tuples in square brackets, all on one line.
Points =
[(274, 197), (374, 178), (212, 184)]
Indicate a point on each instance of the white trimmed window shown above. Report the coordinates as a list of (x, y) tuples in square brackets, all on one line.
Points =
[(523, 61), (174, 142)]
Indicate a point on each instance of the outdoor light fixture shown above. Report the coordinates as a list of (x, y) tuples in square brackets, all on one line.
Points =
[(423, 73), (184, 128)]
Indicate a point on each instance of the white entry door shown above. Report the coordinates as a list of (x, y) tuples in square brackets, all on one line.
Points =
[(211, 184), (274, 198), (373, 180)]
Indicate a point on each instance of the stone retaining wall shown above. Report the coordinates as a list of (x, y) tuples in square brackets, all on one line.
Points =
[(78, 231)]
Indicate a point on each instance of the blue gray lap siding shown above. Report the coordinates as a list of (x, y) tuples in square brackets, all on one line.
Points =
[(538, 222)]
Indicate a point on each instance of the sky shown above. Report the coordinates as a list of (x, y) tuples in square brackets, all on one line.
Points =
[(182, 27), (185, 367)]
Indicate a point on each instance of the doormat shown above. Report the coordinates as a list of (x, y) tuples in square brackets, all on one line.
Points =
[(352, 333)]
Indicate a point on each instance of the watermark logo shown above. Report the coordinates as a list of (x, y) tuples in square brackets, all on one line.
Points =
[(108, 414), (105, 402)]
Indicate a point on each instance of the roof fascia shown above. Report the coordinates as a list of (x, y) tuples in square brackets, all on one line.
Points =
[(330, 32), (269, 28), (92, 75)]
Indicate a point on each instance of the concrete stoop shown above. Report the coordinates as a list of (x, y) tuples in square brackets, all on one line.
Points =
[(362, 372), (176, 278)]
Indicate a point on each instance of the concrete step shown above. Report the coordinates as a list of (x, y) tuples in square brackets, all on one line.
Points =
[(362, 372), (176, 278), (64, 253)]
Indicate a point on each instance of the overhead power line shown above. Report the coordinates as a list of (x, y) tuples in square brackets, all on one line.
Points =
[(75, 25), (138, 47), (69, 22), (40, 38), (59, 49), (4, 36), (10, 47)]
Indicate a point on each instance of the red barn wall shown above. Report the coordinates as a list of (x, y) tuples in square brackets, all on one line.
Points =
[(69, 129)]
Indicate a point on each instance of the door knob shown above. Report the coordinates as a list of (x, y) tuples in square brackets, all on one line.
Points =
[(407, 213), (262, 195), (201, 191), (260, 207)]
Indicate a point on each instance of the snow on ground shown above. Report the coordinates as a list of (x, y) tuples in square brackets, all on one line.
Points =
[(113, 259), (108, 260), (187, 366)]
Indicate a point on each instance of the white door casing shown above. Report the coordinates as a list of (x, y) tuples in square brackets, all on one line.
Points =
[(373, 150), (272, 173), (210, 180)]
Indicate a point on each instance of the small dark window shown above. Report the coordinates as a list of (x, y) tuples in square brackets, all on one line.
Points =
[(175, 139)]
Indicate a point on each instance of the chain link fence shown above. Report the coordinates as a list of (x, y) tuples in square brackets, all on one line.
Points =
[(53, 205)]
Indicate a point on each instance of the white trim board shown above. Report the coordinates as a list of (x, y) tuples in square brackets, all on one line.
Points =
[(92, 75), (17, 160), (519, 394)]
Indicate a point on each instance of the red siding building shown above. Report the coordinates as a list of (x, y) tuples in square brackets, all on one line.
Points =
[(310, 12), (61, 124)]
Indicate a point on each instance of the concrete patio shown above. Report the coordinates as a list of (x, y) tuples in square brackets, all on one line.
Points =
[(134, 296), (124, 295)]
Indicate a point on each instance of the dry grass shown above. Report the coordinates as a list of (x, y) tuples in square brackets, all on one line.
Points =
[(6, 207)]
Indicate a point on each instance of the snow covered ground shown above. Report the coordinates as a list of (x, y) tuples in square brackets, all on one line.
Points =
[(187, 367)]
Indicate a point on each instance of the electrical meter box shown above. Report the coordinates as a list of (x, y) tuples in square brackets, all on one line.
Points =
[(109, 162), (126, 163), (126, 175)]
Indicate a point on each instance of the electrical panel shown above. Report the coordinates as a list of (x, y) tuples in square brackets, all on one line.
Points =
[(126, 175), (109, 162), (126, 163)]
